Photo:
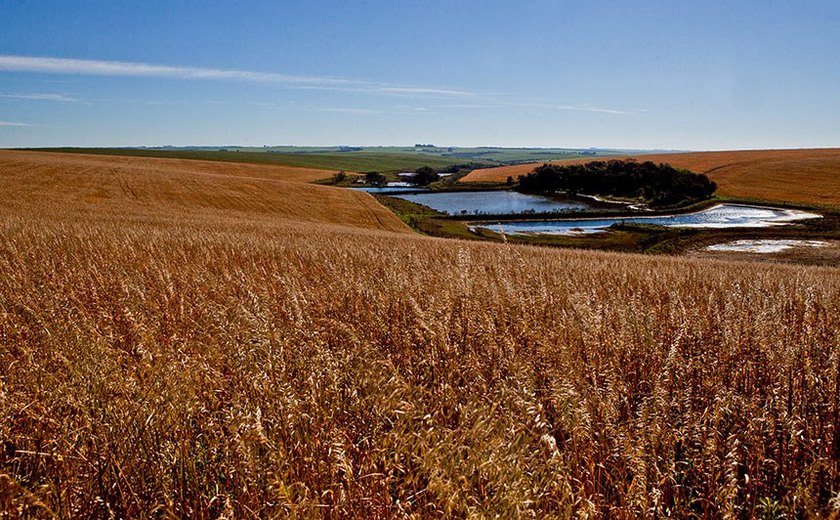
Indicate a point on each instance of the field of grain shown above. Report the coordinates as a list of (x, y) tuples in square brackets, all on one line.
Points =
[(138, 189), (807, 176), (178, 345)]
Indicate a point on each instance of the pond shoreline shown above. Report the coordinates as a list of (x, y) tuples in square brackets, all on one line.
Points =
[(693, 210), (485, 204), (719, 216), (629, 237)]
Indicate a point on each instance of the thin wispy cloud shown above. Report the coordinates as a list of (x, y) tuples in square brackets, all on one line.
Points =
[(40, 97), (429, 91), (578, 108), (121, 68), (587, 108), (367, 111), (482, 101), (16, 125), (342, 110), (49, 65), (468, 106), (540, 106)]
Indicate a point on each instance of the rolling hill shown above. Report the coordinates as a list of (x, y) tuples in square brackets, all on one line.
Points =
[(72, 187), (807, 176)]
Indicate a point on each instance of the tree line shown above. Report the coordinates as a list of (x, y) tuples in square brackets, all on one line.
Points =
[(658, 184)]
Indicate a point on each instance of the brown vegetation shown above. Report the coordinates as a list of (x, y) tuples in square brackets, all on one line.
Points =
[(828, 255), (808, 176), (139, 164), (179, 346), (140, 189)]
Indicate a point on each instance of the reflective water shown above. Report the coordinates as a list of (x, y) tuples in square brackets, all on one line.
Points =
[(764, 246), (720, 216), (493, 203), (401, 188)]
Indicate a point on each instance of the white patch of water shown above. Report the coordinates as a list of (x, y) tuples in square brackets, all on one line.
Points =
[(720, 216), (764, 246)]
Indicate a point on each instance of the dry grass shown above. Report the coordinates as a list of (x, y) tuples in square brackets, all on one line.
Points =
[(182, 166), (233, 362), (139, 189), (809, 176)]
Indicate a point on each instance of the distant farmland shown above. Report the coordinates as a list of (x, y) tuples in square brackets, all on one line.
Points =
[(201, 340), (808, 176), (360, 161)]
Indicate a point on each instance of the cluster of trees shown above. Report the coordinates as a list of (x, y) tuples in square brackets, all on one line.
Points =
[(374, 178), (339, 177), (659, 184), (424, 176)]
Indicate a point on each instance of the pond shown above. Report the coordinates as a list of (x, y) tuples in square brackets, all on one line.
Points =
[(400, 188), (493, 203), (764, 246), (720, 216)]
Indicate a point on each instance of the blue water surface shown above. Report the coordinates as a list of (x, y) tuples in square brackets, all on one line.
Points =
[(720, 216), (493, 203)]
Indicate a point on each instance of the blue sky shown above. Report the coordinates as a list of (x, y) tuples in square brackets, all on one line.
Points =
[(644, 74)]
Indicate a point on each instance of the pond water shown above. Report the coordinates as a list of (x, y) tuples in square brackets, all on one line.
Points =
[(493, 203), (399, 188), (764, 246), (720, 216)]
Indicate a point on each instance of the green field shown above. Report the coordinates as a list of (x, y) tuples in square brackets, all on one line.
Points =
[(359, 159)]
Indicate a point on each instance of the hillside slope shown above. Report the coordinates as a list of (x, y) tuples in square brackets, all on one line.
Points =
[(71, 187), (808, 176)]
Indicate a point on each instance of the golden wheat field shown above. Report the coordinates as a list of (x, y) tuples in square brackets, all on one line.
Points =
[(808, 176), (185, 343), (139, 189)]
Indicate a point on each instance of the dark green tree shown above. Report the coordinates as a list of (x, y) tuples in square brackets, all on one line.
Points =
[(658, 184), (424, 175), (374, 177)]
